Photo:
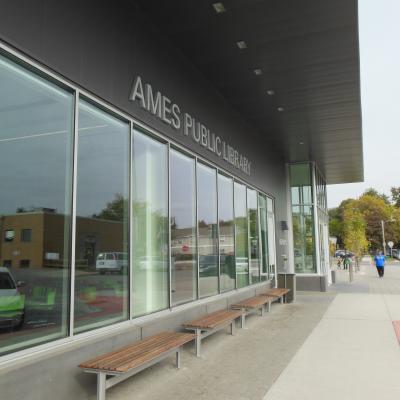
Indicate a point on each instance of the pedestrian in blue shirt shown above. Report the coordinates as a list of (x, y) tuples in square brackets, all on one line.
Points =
[(380, 263)]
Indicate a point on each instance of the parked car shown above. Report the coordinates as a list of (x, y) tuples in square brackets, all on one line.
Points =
[(12, 302), (343, 253), (395, 253), (111, 262)]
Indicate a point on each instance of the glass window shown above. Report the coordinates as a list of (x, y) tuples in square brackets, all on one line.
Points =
[(262, 209), (183, 228), (26, 235), (242, 241), (150, 225), (208, 230), (226, 233), (254, 243), (9, 235), (300, 182), (303, 239), (101, 283), (302, 216), (36, 124), (271, 238)]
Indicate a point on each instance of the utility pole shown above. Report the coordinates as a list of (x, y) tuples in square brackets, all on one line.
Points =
[(383, 237)]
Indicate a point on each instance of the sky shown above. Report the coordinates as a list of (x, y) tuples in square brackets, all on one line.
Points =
[(379, 29)]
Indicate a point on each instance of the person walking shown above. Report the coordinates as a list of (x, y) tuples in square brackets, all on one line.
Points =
[(380, 263), (346, 261)]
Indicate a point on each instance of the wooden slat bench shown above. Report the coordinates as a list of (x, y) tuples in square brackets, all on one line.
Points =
[(129, 360), (211, 323), (252, 304), (279, 293)]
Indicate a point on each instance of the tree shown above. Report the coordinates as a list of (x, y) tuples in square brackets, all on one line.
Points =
[(374, 193), (395, 191), (336, 221), (114, 210), (374, 210), (354, 230)]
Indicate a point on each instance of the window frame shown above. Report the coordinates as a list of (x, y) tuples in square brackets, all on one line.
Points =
[(134, 123)]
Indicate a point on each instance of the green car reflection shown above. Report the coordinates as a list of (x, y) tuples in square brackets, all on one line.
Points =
[(12, 303)]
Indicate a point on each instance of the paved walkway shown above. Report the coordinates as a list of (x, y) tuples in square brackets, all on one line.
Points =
[(337, 345), (353, 353)]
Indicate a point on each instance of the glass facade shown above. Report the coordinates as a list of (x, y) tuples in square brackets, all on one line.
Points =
[(183, 228), (308, 194), (302, 218), (241, 235), (264, 261), (102, 222), (101, 245), (254, 239), (208, 230), (150, 275), (36, 136), (226, 227)]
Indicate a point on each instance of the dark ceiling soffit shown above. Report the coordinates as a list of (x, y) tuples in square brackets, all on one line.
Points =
[(308, 52)]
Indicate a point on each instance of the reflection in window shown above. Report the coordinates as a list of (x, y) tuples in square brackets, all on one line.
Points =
[(26, 235), (262, 209), (183, 228), (254, 244), (271, 238), (226, 233), (302, 210), (150, 224), (242, 243), (208, 230), (102, 262), (303, 239), (36, 120)]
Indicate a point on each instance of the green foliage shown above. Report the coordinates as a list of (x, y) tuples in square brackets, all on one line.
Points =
[(354, 229), (114, 210), (395, 191), (374, 193), (353, 216)]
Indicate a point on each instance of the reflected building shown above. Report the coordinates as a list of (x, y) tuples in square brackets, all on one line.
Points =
[(34, 240)]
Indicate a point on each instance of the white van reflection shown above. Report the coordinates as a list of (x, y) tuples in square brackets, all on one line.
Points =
[(112, 262)]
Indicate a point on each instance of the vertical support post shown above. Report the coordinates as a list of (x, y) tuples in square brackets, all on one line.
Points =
[(178, 358), (233, 327), (243, 318), (101, 386), (198, 342)]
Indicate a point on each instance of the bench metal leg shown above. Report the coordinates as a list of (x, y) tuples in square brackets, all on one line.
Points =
[(178, 359), (281, 300), (101, 386), (233, 327), (198, 342), (243, 319), (262, 310), (269, 306)]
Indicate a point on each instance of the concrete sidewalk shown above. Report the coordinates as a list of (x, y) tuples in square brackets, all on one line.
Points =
[(353, 353), (336, 345), (241, 367)]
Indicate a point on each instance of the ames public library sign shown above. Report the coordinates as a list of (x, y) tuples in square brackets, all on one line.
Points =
[(170, 113)]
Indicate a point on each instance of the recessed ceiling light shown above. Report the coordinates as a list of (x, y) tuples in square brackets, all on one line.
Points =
[(280, 109), (242, 45), (270, 92), (301, 143), (219, 8), (258, 71)]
